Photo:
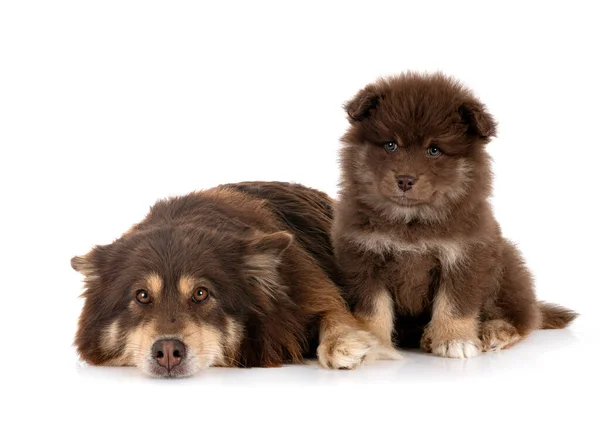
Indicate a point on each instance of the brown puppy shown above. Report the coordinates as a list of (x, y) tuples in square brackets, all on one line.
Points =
[(422, 255), (238, 275)]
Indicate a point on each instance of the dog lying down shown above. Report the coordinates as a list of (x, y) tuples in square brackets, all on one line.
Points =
[(238, 275)]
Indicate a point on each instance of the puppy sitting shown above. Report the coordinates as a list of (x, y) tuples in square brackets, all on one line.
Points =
[(423, 257), (239, 275)]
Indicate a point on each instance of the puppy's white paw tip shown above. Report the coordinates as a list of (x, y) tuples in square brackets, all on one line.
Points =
[(457, 349)]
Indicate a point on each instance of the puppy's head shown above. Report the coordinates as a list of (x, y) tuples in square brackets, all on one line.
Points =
[(173, 300), (415, 146)]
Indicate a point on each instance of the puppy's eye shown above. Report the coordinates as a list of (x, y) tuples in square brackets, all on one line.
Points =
[(143, 297), (200, 295), (390, 146), (434, 151)]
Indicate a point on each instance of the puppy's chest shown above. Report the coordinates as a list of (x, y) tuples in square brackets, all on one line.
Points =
[(412, 278), (412, 269)]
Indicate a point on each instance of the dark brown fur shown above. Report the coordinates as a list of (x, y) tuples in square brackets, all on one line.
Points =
[(435, 250), (263, 252)]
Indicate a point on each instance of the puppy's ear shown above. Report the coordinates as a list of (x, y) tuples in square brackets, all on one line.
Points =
[(479, 120), (363, 102)]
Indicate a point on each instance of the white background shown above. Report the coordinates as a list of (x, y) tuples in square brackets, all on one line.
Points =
[(107, 106)]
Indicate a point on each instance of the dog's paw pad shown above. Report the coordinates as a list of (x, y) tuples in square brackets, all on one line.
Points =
[(457, 349), (346, 350)]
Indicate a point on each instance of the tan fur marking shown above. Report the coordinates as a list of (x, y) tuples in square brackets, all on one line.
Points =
[(446, 324), (235, 331), (139, 341), (231, 343), (110, 343), (381, 321), (110, 337), (155, 284), (137, 344), (187, 284), (205, 346), (448, 335)]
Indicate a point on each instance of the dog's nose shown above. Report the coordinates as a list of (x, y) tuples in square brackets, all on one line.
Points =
[(168, 352), (405, 182)]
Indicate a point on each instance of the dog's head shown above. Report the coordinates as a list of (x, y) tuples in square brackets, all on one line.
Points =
[(415, 147), (173, 300)]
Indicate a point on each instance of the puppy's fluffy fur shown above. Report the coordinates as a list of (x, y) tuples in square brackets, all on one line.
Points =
[(422, 255), (238, 275)]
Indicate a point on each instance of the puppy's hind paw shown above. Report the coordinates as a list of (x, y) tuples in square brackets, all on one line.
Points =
[(346, 350), (497, 335)]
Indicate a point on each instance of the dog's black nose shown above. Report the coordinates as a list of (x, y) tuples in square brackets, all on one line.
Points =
[(168, 352), (405, 182)]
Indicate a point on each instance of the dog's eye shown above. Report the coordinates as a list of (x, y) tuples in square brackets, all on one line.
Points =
[(143, 297), (434, 152), (390, 146), (200, 295)]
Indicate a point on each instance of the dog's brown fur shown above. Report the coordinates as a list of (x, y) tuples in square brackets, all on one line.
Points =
[(261, 250), (429, 264)]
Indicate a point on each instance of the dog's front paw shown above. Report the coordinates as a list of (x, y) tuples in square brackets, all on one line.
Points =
[(457, 348), (346, 349)]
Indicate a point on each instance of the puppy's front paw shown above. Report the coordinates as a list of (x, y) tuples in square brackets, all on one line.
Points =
[(432, 342), (456, 348), (426, 340), (346, 349)]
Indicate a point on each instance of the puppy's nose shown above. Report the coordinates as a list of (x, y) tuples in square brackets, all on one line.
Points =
[(168, 352), (405, 182)]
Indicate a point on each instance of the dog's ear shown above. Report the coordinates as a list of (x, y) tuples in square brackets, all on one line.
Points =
[(89, 265), (270, 245), (478, 119), (263, 256), (363, 102), (83, 264)]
